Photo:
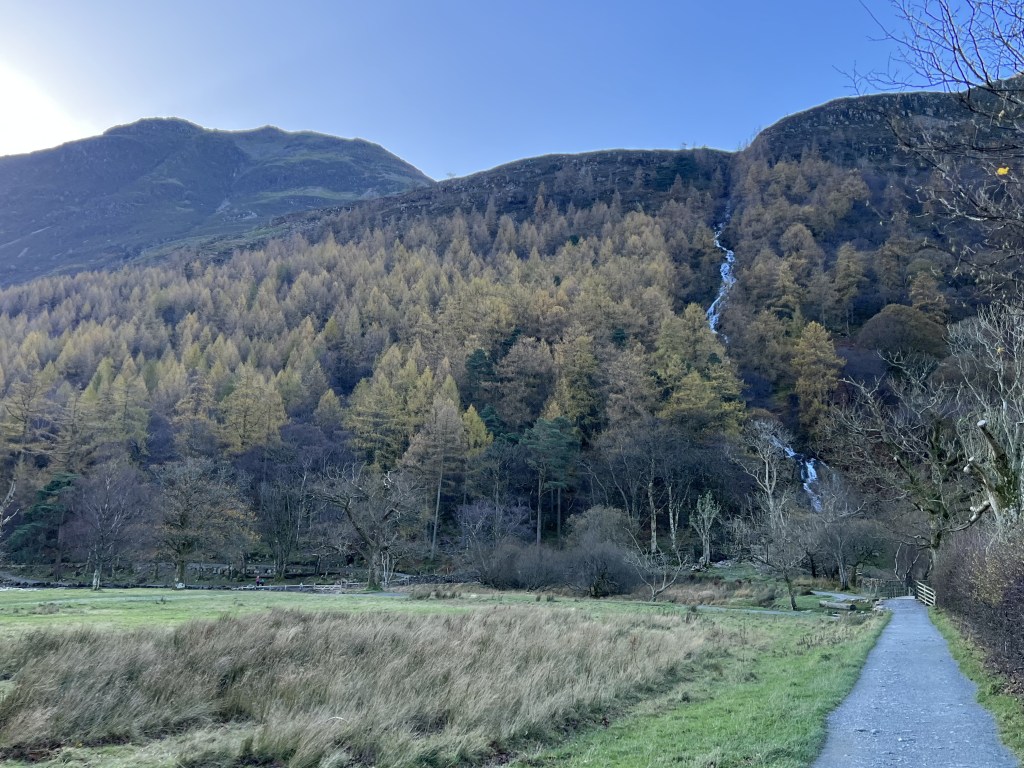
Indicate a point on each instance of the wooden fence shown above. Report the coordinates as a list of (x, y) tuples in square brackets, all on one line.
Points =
[(924, 593), (882, 588), (341, 586)]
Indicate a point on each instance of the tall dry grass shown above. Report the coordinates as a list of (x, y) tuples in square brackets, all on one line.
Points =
[(341, 689)]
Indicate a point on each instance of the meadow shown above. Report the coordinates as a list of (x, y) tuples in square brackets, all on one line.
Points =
[(154, 678)]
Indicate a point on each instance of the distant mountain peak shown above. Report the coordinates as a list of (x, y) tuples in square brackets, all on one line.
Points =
[(162, 181), (153, 125)]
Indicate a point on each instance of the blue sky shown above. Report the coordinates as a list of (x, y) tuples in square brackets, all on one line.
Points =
[(452, 86)]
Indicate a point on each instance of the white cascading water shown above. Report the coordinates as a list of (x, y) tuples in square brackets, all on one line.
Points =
[(728, 278), (808, 476), (808, 466)]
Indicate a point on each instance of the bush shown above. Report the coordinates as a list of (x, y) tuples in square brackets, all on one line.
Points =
[(597, 571), (981, 583), (601, 570), (594, 562), (525, 566)]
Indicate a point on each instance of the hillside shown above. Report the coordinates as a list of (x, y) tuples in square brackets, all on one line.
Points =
[(99, 202), (532, 339)]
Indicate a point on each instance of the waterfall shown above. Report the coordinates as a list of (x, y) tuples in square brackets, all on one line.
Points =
[(808, 475), (808, 465), (728, 278)]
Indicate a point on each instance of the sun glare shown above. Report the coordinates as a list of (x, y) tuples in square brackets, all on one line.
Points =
[(31, 119)]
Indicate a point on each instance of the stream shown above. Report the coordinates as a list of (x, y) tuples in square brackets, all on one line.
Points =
[(808, 465), (714, 312)]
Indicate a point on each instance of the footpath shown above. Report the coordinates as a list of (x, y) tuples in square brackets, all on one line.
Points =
[(912, 707)]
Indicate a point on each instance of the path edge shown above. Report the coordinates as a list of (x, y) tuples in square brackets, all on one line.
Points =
[(1007, 710)]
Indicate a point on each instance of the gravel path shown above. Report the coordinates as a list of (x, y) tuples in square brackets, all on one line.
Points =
[(912, 706)]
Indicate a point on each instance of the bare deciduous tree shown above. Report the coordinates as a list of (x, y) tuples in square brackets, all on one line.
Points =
[(903, 440), (775, 532), (377, 506), (767, 464), (658, 570), (201, 514), (107, 505), (844, 534), (974, 50), (703, 520), (485, 526), (989, 352)]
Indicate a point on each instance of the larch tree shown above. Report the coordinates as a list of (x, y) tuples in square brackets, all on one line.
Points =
[(576, 388), (437, 456), (196, 428), (253, 412), (848, 278), (525, 378), (700, 389), (130, 399), (74, 437), (816, 367), (24, 411), (374, 416), (329, 415)]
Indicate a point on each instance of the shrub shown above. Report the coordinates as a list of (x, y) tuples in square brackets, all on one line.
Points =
[(597, 571), (601, 570), (980, 582)]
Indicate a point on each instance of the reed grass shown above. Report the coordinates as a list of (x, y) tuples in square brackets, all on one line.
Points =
[(334, 689)]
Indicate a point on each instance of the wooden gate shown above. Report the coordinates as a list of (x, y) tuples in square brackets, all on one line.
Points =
[(883, 588), (924, 593)]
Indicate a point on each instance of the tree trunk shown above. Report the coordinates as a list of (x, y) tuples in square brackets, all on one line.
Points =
[(654, 517), (844, 574), (933, 556), (59, 557), (540, 502), (179, 571), (96, 579), (558, 523), (373, 569), (789, 586), (437, 511), (279, 562)]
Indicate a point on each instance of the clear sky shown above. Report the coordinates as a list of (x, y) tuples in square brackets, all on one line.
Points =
[(452, 86)]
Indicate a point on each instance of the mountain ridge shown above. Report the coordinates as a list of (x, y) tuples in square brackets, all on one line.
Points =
[(100, 201), (176, 185)]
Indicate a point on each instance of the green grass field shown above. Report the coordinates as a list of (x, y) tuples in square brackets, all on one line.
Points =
[(469, 680), (22, 610)]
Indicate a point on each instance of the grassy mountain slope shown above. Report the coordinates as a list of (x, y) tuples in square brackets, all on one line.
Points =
[(96, 202)]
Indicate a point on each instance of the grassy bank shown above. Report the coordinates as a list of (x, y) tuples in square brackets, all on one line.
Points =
[(1007, 710), (120, 679), (762, 703)]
